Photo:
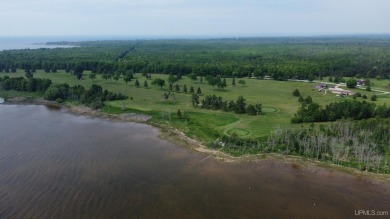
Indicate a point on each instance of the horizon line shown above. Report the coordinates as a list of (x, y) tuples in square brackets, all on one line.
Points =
[(199, 36)]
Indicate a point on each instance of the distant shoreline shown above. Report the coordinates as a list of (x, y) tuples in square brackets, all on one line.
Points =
[(67, 41)]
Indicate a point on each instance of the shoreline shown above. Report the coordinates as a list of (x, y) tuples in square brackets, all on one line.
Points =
[(178, 137)]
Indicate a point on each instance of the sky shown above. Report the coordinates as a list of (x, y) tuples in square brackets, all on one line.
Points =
[(165, 18)]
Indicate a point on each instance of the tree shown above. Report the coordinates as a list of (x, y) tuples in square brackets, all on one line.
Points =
[(116, 78), (258, 108), (185, 89), (28, 73), (170, 86), (242, 82), (221, 85), (212, 80), (146, 84), (193, 77), (351, 83), (251, 110), (240, 106), (199, 91), (179, 114), (68, 68), (47, 69), (128, 77), (368, 88), (78, 71), (296, 93), (195, 99), (106, 76), (177, 88), (192, 90), (311, 77), (92, 76), (336, 79), (367, 82), (52, 93), (231, 105), (308, 100), (172, 79), (234, 82), (158, 82), (374, 97), (137, 83)]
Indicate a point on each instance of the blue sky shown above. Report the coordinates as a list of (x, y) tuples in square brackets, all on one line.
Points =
[(193, 17)]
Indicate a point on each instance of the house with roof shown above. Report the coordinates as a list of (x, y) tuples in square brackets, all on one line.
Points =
[(361, 82), (321, 86)]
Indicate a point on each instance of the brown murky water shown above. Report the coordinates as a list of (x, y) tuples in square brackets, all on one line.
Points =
[(56, 165)]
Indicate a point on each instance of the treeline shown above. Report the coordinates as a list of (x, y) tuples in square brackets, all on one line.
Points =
[(23, 84), (279, 58), (364, 145), (357, 110), (93, 97), (217, 103)]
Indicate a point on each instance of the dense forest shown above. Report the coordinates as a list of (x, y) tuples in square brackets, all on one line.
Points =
[(357, 110), (279, 58)]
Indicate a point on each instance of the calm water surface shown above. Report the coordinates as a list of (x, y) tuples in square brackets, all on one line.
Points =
[(56, 165)]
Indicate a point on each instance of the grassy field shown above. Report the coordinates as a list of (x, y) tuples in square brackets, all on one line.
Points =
[(275, 96)]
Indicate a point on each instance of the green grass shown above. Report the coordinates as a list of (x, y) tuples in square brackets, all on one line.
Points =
[(278, 103)]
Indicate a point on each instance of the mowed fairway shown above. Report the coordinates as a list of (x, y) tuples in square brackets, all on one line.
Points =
[(275, 96)]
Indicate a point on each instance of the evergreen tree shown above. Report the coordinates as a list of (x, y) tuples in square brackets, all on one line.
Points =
[(145, 84), (179, 114), (177, 88), (296, 93), (137, 83), (251, 110), (199, 91), (240, 106), (308, 100), (195, 99), (192, 90), (185, 88)]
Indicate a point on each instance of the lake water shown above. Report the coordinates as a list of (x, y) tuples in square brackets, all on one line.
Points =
[(36, 42), (9, 43), (57, 165)]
